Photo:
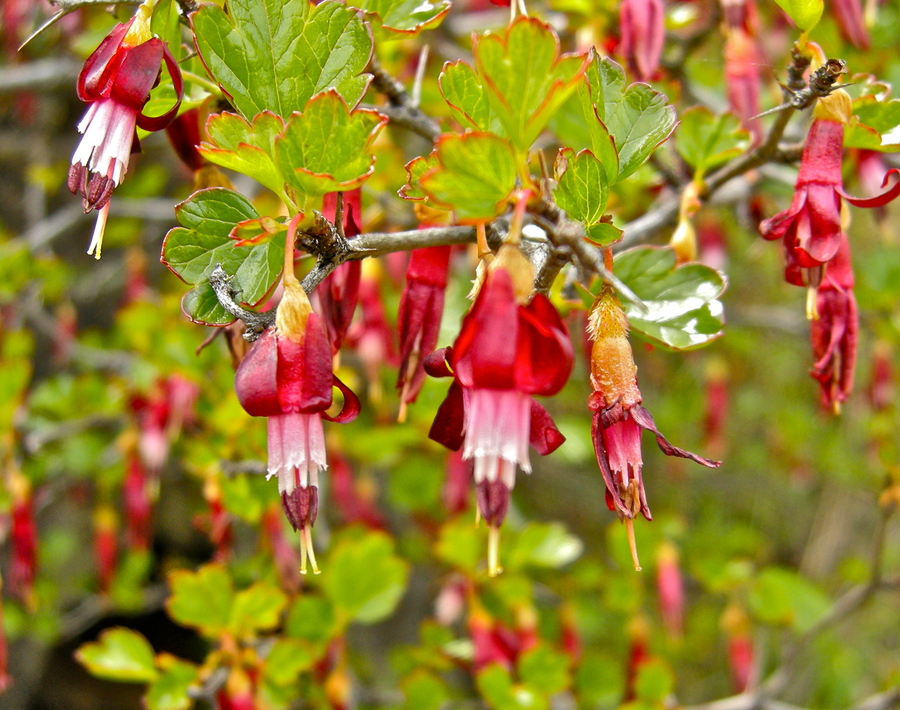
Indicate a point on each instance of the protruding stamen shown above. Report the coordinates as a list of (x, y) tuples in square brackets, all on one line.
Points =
[(632, 544), (99, 228), (307, 551), (494, 567), (812, 312)]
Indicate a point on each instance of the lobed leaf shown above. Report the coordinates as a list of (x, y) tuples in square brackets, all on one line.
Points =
[(170, 690), (203, 599), (327, 148), (246, 148), (275, 55), (526, 78), (583, 191), (467, 98), (474, 176), (365, 578), (402, 18)]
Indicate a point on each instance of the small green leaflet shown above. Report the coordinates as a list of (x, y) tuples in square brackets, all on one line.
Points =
[(415, 169), (474, 176), (275, 55), (396, 19), (467, 98), (636, 119), (246, 147), (805, 13), (119, 654), (706, 140), (583, 191), (878, 127), (526, 78), (170, 690), (327, 148), (682, 307), (193, 250)]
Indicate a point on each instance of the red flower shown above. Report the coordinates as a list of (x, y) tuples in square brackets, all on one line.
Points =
[(835, 330), (811, 227), (506, 352), (287, 377), (619, 417), (642, 25), (116, 81), (419, 318)]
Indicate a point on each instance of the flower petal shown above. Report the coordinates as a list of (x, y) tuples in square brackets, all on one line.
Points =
[(645, 421), (256, 381), (351, 407), (545, 353), (545, 438), (881, 199), (449, 422)]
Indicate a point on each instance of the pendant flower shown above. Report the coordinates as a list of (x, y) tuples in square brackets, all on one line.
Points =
[(419, 318), (642, 25), (509, 349), (619, 417), (287, 377), (116, 81), (835, 330), (810, 228)]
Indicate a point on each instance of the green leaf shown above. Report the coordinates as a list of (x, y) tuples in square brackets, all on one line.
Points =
[(654, 681), (201, 600), (392, 19), (637, 117), (327, 148), (545, 669), (706, 140), (582, 189), (475, 175), (782, 596), (805, 13), (683, 310), (467, 98), (878, 127), (526, 78), (170, 690), (415, 169), (119, 654), (423, 691), (275, 55), (165, 23), (256, 609), (246, 148), (193, 251), (287, 660), (365, 578), (312, 619), (461, 544), (547, 545)]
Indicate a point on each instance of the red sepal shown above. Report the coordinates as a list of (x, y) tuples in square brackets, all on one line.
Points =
[(101, 66), (351, 407), (137, 74), (645, 421), (879, 200), (449, 422), (255, 381), (440, 363), (545, 352), (157, 123), (545, 438)]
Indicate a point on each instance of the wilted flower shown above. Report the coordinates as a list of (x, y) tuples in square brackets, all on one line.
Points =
[(116, 81), (619, 417), (287, 377), (835, 330), (512, 345)]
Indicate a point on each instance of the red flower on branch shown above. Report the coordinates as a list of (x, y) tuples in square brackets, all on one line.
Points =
[(287, 376), (419, 317), (116, 81), (619, 418), (810, 228), (509, 349)]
